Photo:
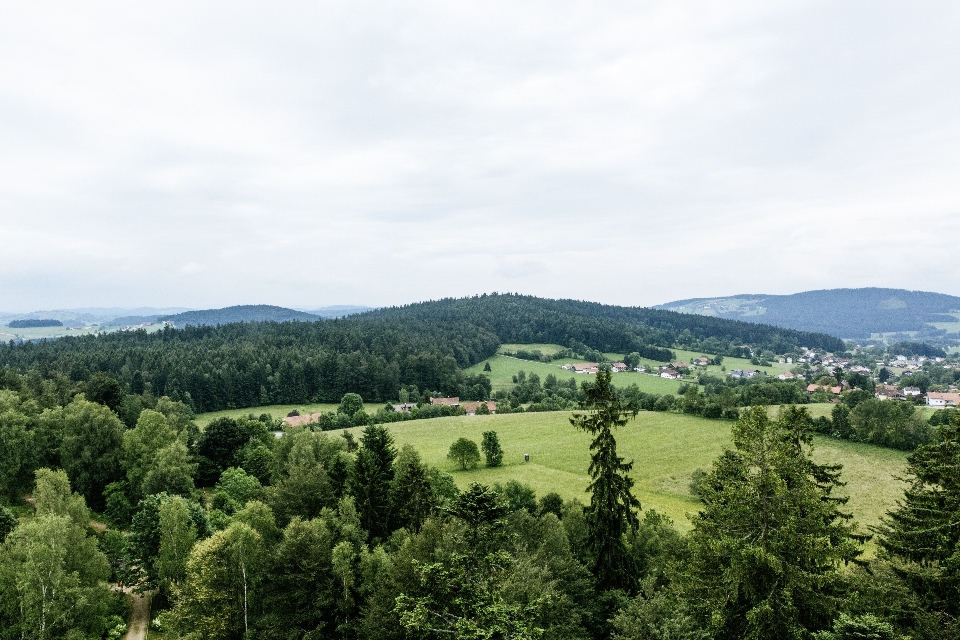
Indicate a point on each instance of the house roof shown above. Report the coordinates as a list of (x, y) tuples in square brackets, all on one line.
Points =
[(817, 387), (585, 365), (949, 398), (471, 407), (307, 418), (450, 402)]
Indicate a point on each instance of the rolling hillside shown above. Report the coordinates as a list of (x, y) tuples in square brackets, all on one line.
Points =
[(239, 313), (845, 313)]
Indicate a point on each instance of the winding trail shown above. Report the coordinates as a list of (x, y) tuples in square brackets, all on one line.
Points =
[(139, 616)]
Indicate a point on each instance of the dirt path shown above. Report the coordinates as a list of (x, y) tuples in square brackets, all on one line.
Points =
[(139, 617)]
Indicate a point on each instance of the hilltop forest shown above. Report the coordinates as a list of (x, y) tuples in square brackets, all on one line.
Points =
[(374, 354)]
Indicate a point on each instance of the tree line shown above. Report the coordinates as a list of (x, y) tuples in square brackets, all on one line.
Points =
[(373, 354)]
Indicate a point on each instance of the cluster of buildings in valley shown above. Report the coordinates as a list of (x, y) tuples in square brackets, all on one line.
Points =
[(470, 408)]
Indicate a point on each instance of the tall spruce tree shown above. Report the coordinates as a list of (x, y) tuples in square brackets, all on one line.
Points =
[(371, 482), (922, 535), (766, 549), (613, 507)]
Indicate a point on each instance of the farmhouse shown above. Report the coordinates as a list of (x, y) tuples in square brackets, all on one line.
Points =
[(618, 367), (746, 373), (670, 374), (889, 392), (471, 407), (585, 367), (938, 399), (449, 402), (702, 361), (786, 375), (813, 388), (307, 418)]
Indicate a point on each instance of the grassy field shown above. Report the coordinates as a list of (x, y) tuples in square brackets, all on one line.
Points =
[(503, 368), (666, 449), (36, 333)]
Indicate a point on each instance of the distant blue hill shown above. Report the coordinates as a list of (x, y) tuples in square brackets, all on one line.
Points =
[(240, 313), (845, 313), (338, 310)]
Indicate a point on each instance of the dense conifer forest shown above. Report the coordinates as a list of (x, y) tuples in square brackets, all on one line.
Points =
[(425, 345)]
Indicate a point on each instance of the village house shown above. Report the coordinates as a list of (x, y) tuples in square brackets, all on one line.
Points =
[(888, 392), (670, 374), (449, 402), (746, 373), (471, 407), (702, 361), (786, 375), (307, 418), (583, 367), (640, 369), (618, 367), (911, 391), (940, 399), (406, 407), (813, 388), (680, 365)]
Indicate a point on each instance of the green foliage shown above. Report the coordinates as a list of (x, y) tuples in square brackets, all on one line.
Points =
[(103, 389), (766, 548), (465, 453), (221, 584), (373, 474), (889, 424), (8, 522), (234, 489), (91, 449), (517, 496), (177, 537), (146, 534), (921, 534), (865, 627), (613, 508), (492, 450), (52, 575), (350, 404)]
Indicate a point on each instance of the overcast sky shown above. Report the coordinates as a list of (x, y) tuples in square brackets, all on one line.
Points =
[(205, 154)]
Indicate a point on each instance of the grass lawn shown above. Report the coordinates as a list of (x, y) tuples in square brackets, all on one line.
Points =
[(503, 368), (666, 449)]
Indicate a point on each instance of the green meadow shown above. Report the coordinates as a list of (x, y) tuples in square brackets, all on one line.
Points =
[(666, 449)]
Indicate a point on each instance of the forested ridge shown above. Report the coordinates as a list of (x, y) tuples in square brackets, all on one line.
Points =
[(848, 313), (424, 345)]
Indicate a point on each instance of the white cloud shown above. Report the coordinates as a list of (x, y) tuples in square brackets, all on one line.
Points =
[(383, 153)]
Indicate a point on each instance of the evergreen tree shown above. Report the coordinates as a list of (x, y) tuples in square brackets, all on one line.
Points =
[(370, 485), (766, 548), (613, 507), (922, 535)]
